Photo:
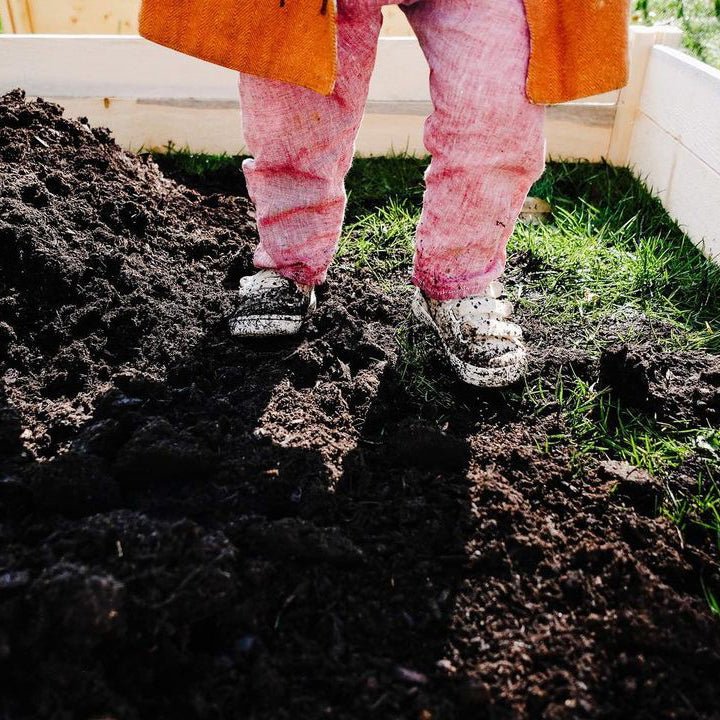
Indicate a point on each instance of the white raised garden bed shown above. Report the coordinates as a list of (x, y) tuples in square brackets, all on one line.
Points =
[(665, 124), (675, 142)]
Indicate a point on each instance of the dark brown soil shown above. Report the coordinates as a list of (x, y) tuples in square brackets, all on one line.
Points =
[(196, 527)]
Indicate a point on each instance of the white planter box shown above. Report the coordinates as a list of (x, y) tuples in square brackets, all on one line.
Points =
[(149, 96), (675, 142)]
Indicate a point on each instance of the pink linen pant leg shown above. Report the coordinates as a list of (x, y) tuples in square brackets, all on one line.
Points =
[(485, 137), (302, 145)]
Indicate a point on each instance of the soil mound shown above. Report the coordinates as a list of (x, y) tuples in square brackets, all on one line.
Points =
[(198, 527)]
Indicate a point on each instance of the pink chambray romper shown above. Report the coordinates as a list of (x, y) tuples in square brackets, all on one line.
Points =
[(485, 137)]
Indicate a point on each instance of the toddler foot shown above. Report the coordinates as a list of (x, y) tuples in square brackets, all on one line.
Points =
[(271, 304), (483, 347)]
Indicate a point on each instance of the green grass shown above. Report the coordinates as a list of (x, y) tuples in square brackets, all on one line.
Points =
[(420, 384), (600, 425), (197, 164), (699, 20), (610, 251), (712, 600), (380, 241), (702, 507)]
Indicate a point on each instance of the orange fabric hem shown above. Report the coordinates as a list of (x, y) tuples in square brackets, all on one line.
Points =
[(577, 47)]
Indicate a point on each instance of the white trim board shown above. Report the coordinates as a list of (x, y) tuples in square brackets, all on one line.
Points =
[(128, 66), (148, 95), (675, 144)]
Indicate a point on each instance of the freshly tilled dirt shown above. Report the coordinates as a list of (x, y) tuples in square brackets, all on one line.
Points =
[(196, 526)]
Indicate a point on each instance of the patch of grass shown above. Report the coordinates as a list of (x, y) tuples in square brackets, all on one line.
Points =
[(610, 248), (381, 241), (600, 425), (700, 508), (699, 20), (373, 182), (424, 386), (194, 164), (596, 424), (384, 202)]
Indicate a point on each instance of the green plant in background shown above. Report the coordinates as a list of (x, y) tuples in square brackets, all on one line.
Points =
[(699, 20)]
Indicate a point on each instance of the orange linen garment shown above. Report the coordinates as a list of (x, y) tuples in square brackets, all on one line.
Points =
[(289, 40), (577, 47)]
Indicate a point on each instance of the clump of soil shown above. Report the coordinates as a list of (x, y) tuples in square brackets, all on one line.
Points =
[(654, 381), (195, 526)]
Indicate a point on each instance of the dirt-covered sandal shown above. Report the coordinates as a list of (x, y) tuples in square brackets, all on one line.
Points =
[(270, 304), (483, 347)]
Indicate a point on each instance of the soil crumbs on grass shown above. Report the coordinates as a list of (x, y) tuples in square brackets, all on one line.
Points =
[(196, 526)]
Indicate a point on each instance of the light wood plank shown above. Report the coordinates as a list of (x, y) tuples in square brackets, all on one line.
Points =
[(5, 17), (73, 16), (652, 155), (19, 16), (693, 200), (682, 95), (107, 65), (130, 66), (85, 16), (395, 23), (641, 41), (573, 142), (688, 187)]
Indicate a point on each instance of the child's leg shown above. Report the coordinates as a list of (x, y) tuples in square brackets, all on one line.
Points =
[(302, 144), (485, 137)]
